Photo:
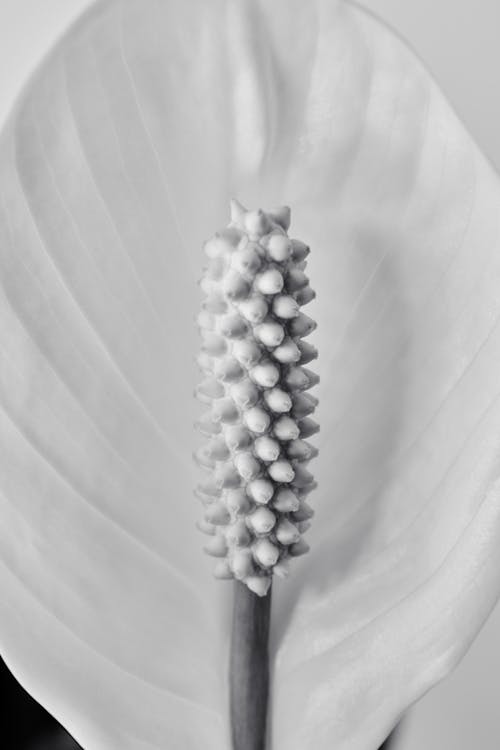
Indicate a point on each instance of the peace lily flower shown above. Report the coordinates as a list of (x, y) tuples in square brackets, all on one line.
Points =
[(255, 388), (117, 164)]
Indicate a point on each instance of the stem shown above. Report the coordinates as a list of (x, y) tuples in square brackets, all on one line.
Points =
[(249, 668), (389, 743)]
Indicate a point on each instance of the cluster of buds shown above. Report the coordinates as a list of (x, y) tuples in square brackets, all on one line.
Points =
[(253, 356)]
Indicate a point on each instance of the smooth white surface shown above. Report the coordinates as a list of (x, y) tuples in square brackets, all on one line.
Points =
[(459, 45), (27, 29), (458, 41)]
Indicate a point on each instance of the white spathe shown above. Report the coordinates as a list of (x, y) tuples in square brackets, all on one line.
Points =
[(116, 165)]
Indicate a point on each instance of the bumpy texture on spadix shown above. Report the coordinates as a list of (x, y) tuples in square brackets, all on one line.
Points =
[(252, 357)]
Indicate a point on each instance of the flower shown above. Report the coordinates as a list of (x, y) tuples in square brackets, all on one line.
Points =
[(254, 449), (116, 165)]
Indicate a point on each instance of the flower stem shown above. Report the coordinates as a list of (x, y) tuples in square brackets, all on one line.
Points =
[(390, 742), (249, 668)]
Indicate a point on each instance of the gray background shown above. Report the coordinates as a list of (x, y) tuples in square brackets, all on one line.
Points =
[(458, 41)]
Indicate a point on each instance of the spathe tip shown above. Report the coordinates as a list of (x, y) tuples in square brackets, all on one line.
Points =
[(237, 210), (282, 216)]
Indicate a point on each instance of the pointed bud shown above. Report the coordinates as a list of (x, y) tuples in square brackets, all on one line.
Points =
[(299, 548), (237, 437), (216, 546), (210, 388), (265, 374), (205, 499), (247, 465), (247, 352), (285, 500), (282, 568), (256, 223), (241, 562), (235, 287), (300, 379), (313, 377), (262, 520), (259, 584), (205, 362), (303, 477), (233, 236), (308, 427), (270, 333), (286, 532), (266, 553), (206, 320), (300, 250), (257, 420), (304, 513), (228, 370), (285, 307), (295, 280), (226, 475), (261, 491), (207, 426), (303, 526), (232, 326), (203, 458), (308, 352), (215, 304), (237, 500), (225, 411), (217, 514), (254, 309), (215, 269), (205, 527), (267, 449), (237, 210), (305, 295), (288, 352), (269, 282), (282, 216), (281, 471), (222, 570), (285, 428), (302, 325), (303, 405), (209, 286), (220, 245), (278, 400), (303, 492), (246, 261), (210, 488), (218, 449), (213, 248), (237, 534), (245, 394), (300, 449), (278, 247), (214, 344)]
